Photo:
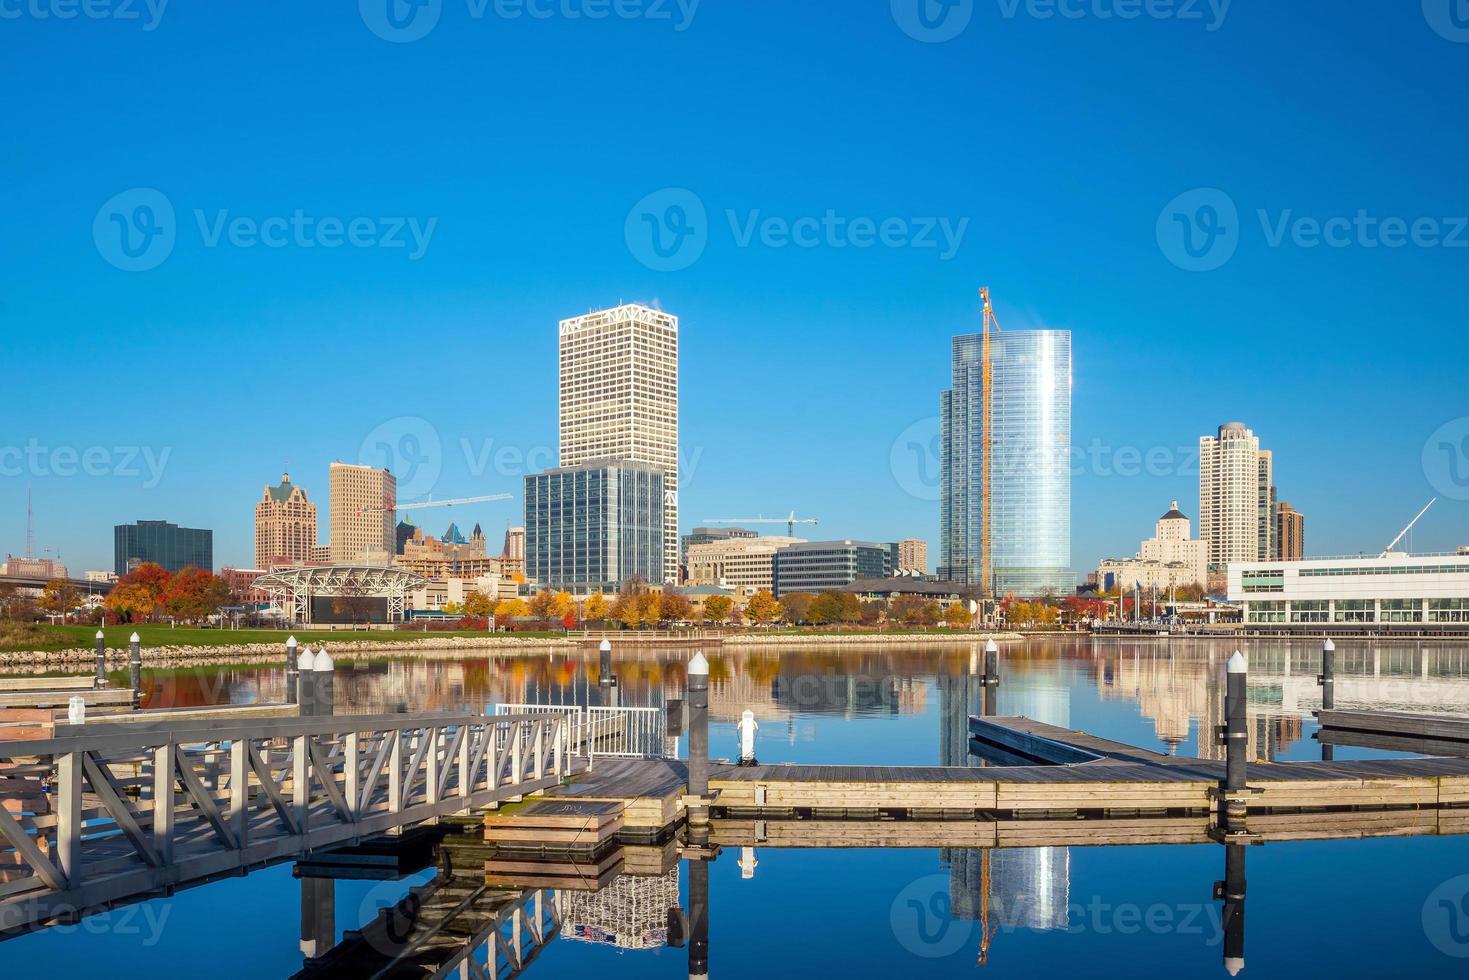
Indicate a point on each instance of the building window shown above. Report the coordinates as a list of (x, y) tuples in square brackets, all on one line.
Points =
[(1265, 612), (1402, 610), (1311, 611), (1448, 610), (1355, 611)]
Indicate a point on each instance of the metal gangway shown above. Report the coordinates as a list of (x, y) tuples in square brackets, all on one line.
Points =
[(111, 813), (616, 732)]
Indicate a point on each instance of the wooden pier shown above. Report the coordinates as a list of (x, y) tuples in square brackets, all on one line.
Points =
[(1395, 731)]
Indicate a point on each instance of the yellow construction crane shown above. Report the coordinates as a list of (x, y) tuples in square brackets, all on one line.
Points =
[(987, 374)]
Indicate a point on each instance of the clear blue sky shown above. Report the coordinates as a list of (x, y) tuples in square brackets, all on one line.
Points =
[(529, 141)]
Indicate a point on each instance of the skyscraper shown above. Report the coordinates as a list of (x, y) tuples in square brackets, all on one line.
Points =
[(1290, 533), (285, 525), (161, 543), (619, 400), (362, 514), (1030, 464), (1236, 497)]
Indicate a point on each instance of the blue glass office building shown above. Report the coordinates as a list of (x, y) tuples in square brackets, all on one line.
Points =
[(1030, 471), (592, 527), (161, 543)]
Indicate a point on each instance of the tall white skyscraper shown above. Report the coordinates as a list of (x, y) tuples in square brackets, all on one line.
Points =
[(619, 399), (1236, 497)]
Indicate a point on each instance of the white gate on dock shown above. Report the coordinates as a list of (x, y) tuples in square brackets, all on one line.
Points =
[(626, 733)]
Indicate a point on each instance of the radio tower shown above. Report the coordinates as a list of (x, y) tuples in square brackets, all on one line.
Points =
[(30, 526)]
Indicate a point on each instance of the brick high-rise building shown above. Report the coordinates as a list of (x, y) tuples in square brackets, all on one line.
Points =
[(363, 520), (913, 556), (285, 526), (619, 400), (1290, 532)]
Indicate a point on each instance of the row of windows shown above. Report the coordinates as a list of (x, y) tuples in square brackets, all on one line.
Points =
[(1384, 570)]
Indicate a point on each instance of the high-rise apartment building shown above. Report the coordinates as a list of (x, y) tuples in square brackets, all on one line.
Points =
[(1290, 533), (285, 525), (594, 527), (619, 400), (514, 547), (161, 543), (912, 556), (363, 519), (1236, 491), (1030, 463)]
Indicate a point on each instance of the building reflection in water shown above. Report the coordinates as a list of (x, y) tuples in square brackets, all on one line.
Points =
[(631, 912)]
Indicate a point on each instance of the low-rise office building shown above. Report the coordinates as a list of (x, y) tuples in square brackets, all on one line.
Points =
[(1395, 588), (593, 527), (815, 566), (161, 543), (747, 563)]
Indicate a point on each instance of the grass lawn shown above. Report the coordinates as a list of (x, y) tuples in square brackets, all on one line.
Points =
[(48, 637)]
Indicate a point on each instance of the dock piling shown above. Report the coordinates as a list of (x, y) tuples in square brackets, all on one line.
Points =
[(699, 737), (324, 685), (1232, 891), (1236, 740), (101, 660), (747, 727), (1327, 681), (306, 683), (991, 678), (291, 670), (607, 679), (135, 666)]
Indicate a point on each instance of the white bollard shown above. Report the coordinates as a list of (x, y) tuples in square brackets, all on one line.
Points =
[(747, 863), (747, 728), (76, 710)]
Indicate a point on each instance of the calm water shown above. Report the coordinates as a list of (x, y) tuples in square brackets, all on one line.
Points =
[(1354, 908)]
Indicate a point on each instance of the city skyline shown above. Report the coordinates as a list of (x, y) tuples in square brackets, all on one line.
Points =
[(778, 337)]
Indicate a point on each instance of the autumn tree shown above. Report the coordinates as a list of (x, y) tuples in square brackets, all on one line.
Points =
[(796, 606), (130, 603), (595, 608), (873, 611), (674, 606), (543, 604), (763, 607), (478, 605), (60, 598), (717, 608), (193, 595), (833, 606), (957, 615), (511, 609)]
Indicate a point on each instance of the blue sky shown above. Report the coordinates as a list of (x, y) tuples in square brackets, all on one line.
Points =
[(1065, 148)]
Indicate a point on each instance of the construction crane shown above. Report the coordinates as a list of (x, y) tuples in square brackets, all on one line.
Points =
[(390, 506), (1404, 533), (790, 522), (987, 381)]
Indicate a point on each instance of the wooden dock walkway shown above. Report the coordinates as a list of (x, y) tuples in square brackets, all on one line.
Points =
[(1395, 731)]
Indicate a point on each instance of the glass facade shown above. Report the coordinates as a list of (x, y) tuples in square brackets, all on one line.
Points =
[(1030, 469), (162, 543), (820, 565), (594, 527)]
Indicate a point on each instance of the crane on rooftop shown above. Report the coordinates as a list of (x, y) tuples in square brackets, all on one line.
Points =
[(789, 521)]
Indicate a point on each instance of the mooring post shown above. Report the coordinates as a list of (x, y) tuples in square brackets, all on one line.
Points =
[(991, 678), (698, 918), (1232, 891), (324, 683), (606, 679), (135, 667), (306, 683), (1328, 690), (747, 727), (699, 737), (291, 670), (101, 660), (1236, 740)]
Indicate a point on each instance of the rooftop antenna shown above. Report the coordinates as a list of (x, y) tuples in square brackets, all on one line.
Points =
[(1404, 532), (30, 526)]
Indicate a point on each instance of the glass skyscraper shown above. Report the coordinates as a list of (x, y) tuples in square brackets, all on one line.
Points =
[(593, 527), (161, 543), (1030, 469)]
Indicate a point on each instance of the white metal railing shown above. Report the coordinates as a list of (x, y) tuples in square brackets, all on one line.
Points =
[(637, 733)]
